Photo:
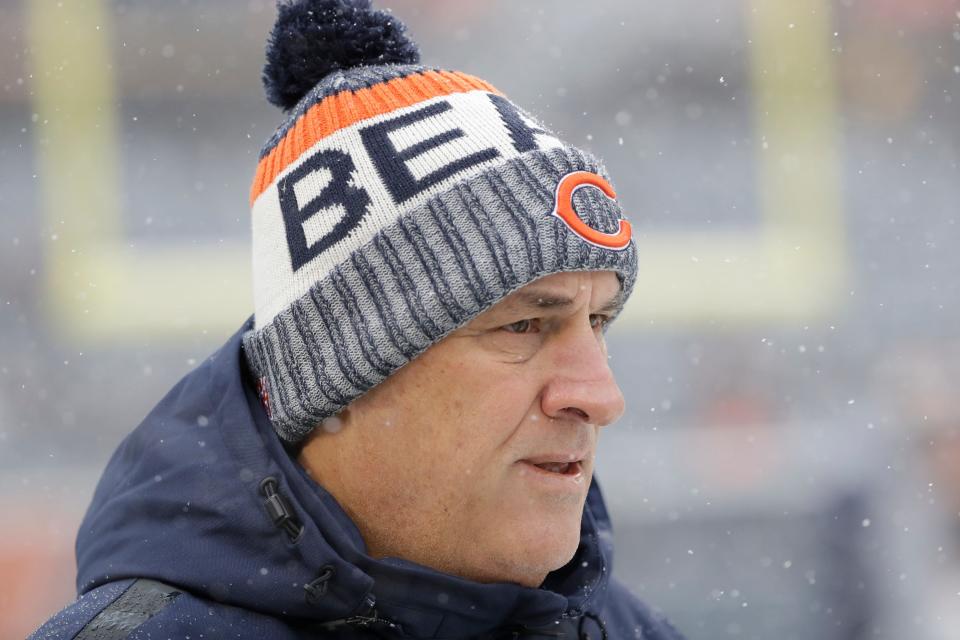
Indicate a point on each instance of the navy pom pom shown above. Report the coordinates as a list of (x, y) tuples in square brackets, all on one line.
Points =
[(313, 38)]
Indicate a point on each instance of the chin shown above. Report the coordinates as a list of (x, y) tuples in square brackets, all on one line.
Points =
[(541, 547), (559, 551)]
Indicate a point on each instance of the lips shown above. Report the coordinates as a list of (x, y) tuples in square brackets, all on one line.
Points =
[(565, 464), (561, 468), (555, 467)]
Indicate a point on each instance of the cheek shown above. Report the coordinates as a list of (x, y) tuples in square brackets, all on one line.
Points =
[(482, 420), (477, 390), (469, 430), (448, 421)]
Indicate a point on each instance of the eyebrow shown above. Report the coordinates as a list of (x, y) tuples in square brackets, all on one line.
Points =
[(544, 300)]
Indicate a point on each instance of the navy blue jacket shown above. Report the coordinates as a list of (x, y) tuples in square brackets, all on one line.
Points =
[(204, 526)]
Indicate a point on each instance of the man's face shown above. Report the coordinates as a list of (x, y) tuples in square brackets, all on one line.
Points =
[(476, 457)]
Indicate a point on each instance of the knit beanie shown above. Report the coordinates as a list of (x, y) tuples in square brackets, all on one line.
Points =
[(395, 203)]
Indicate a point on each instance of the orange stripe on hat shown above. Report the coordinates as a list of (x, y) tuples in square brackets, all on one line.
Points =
[(349, 107)]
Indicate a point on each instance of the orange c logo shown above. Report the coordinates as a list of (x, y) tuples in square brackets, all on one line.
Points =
[(564, 210)]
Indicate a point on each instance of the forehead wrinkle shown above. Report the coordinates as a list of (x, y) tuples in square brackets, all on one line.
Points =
[(540, 300)]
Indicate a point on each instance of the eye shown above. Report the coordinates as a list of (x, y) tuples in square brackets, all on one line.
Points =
[(599, 321), (529, 325)]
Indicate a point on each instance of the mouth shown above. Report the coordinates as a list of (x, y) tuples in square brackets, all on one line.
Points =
[(564, 470), (570, 469), (567, 467)]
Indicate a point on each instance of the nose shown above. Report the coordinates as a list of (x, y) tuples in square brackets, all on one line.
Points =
[(581, 386)]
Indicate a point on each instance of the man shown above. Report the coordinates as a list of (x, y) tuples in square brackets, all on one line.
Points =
[(400, 443)]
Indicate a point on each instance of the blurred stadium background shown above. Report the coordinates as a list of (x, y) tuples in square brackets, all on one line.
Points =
[(789, 466)]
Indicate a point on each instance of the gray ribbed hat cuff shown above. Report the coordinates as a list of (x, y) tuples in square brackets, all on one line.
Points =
[(437, 267)]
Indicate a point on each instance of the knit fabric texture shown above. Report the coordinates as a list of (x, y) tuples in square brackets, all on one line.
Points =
[(395, 204)]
